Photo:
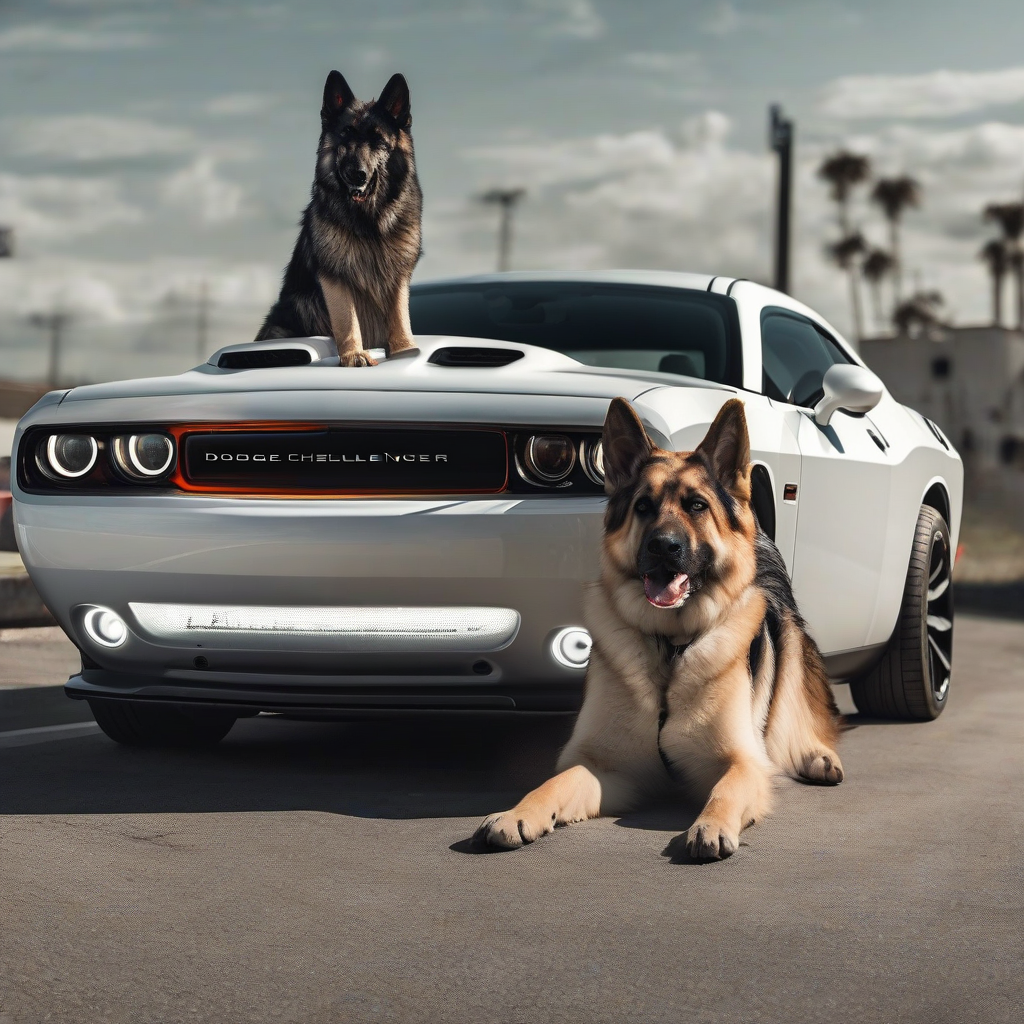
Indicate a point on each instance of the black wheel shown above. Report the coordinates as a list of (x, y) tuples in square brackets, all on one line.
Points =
[(911, 682), (138, 724)]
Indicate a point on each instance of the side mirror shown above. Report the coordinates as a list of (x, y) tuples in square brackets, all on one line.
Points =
[(850, 388)]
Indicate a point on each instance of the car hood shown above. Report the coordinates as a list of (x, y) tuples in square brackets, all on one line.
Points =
[(539, 387)]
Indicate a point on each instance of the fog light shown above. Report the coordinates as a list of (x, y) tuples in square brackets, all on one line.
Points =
[(144, 456), (570, 647), (105, 627), (69, 455)]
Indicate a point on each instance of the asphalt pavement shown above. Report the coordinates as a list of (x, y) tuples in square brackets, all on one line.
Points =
[(319, 873)]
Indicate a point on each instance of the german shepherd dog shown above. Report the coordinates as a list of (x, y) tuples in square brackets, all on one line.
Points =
[(360, 236), (702, 672)]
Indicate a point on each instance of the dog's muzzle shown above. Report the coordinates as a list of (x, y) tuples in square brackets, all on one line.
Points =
[(663, 557), (360, 186)]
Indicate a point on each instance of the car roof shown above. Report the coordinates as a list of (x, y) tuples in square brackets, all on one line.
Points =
[(661, 278)]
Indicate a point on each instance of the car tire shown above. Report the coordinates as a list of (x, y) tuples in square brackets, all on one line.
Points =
[(911, 682), (138, 724)]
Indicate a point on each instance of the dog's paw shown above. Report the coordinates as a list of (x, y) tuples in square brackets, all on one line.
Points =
[(709, 839), (359, 358), (824, 767), (508, 830)]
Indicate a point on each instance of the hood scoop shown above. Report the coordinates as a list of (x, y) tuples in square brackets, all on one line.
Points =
[(267, 355), (466, 356), (264, 358)]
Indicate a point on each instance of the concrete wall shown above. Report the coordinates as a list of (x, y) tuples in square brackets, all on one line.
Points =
[(970, 380)]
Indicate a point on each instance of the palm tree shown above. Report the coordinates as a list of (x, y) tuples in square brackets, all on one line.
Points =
[(894, 195), (876, 266), (846, 255), (920, 312), (1010, 218), (997, 259), (844, 170)]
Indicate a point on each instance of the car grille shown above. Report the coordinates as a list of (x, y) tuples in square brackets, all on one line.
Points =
[(346, 461)]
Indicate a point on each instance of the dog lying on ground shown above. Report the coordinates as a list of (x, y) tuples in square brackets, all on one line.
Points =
[(702, 672), (360, 236)]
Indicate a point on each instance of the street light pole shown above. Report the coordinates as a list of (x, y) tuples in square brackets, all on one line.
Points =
[(54, 322), (780, 137), (506, 199), (202, 321)]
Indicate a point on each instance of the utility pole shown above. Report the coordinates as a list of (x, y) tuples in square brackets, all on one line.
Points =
[(506, 198), (6, 242), (780, 137), (54, 322), (202, 321)]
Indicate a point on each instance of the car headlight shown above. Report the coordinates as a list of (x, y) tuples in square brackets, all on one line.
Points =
[(548, 458), (67, 456), (592, 457), (143, 456)]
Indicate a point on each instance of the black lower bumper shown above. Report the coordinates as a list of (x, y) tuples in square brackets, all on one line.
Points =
[(306, 700)]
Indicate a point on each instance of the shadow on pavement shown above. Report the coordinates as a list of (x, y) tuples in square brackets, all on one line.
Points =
[(404, 768)]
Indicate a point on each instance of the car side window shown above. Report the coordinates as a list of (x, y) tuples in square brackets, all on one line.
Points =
[(795, 353)]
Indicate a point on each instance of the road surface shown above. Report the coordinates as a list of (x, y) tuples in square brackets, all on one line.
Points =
[(317, 873)]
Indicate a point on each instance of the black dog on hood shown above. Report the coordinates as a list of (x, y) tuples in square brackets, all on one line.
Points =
[(360, 237)]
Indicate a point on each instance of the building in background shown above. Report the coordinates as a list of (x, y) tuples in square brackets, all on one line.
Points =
[(969, 380)]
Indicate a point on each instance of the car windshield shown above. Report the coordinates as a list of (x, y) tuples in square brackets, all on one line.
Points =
[(635, 327)]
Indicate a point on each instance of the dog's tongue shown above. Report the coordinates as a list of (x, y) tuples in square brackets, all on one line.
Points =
[(667, 595)]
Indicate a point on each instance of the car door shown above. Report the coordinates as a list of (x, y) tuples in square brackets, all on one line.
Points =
[(843, 496)]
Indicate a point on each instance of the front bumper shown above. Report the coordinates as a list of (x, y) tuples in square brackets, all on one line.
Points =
[(528, 555)]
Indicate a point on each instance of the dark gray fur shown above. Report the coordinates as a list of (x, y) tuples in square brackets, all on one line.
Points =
[(361, 228)]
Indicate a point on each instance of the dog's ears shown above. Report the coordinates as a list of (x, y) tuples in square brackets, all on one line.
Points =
[(394, 101), (625, 445), (726, 445), (337, 95)]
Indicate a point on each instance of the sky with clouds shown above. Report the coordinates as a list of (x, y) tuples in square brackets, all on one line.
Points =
[(146, 147)]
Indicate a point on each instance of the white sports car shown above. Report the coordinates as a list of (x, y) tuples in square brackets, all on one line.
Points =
[(269, 532)]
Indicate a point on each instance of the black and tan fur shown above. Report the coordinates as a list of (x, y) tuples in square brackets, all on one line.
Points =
[(719, 694), (360, 238)]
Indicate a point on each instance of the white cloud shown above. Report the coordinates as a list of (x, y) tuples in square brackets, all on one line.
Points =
[(690, 199), (649, 198), (128, 319), (200, 191), (93, 137), (574, 19), (935, 94), (43, 37), (51, 208)]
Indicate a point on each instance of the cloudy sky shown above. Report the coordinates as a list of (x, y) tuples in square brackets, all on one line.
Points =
[(146, 147)]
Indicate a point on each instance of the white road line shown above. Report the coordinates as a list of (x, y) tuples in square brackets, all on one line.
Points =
[(47, 734)]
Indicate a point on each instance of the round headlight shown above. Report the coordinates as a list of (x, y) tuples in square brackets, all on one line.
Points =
[(144, 456), (105, 627), (69, 455), (549, 458), (592, 458)]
